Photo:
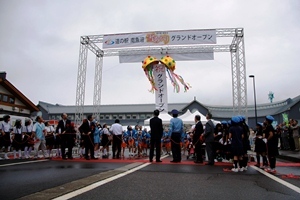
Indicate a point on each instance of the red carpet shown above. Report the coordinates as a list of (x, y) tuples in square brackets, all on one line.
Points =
[(167, 161)]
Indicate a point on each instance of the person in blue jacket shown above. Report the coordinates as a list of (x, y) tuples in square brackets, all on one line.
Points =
[(97, 141), (176, 130)]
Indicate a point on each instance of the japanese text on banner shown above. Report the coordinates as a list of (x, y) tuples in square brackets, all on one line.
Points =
[(161, 97), (186, 37)]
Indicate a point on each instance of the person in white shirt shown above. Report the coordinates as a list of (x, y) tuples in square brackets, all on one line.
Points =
[(105, 141), (116, 130), (5, 130), (17, 138), (28, 140), (49, 135)]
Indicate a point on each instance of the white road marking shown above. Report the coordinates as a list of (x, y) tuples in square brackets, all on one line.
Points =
[(20, 163), (164, 156), (291, 186), (99, 183)]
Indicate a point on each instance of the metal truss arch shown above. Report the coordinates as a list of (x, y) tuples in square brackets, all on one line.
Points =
[(81, 80), (97, 86), (91, 42)]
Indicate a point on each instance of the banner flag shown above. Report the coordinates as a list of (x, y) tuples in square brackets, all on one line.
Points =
[(161, 94), (159, 38)]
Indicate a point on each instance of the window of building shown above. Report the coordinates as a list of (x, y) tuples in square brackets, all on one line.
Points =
[(106, 116), (133, 116), (101, 117), (120, 116), (148, 116), (5, 98), (12, 100), (114, 116), (142, 116), (128, 117)]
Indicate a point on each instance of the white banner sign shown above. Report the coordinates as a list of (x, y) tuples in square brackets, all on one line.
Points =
[(175, 56), (184, 37), (161, 94)]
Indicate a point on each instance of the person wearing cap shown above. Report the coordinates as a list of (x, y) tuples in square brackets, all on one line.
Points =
[(209, 139), (5, 130), (175, 131), (236, 134), (157, 130), (196, 139), (224, 141), (260, 146), (167, 142), (17, 138), (130, 136), (272, 144), (246, 142), (138, 141)]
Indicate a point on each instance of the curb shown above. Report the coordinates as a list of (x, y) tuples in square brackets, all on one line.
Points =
[(289, 158)]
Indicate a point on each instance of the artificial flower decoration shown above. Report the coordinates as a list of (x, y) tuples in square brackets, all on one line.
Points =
[(170, 64)]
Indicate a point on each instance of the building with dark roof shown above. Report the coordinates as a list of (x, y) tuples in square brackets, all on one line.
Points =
[(131, 114), (14, 102)]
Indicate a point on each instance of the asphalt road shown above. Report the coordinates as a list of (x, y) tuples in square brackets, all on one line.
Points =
[(185, 181), (47, 179)]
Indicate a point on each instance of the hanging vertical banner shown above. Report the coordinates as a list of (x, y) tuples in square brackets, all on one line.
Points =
[(161, 94)]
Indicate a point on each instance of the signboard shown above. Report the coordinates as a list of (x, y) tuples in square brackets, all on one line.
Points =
[(159, 38), (175, 56), (161, 95)]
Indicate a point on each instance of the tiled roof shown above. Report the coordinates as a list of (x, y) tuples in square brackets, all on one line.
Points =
[(119, 108), (216, 110)]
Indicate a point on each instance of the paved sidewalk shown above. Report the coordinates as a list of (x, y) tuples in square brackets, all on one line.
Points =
[(283, 154), (289, 155)]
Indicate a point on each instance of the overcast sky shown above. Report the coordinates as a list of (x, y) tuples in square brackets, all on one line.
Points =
[(39, 48)]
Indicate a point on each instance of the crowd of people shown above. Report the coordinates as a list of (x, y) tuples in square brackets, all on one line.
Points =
[(227, 141), (22, 139)]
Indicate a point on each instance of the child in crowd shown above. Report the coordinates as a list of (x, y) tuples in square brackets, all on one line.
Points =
[(260, 145)]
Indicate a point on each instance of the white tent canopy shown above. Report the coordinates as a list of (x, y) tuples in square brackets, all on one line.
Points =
[(165, 117), (190, 119), (133, 126), (186, 114), (187, 118)]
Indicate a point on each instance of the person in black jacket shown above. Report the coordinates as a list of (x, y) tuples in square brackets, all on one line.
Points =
[(209, 139), (197, 141), (87, 129), (156, 127), (62, 128)]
